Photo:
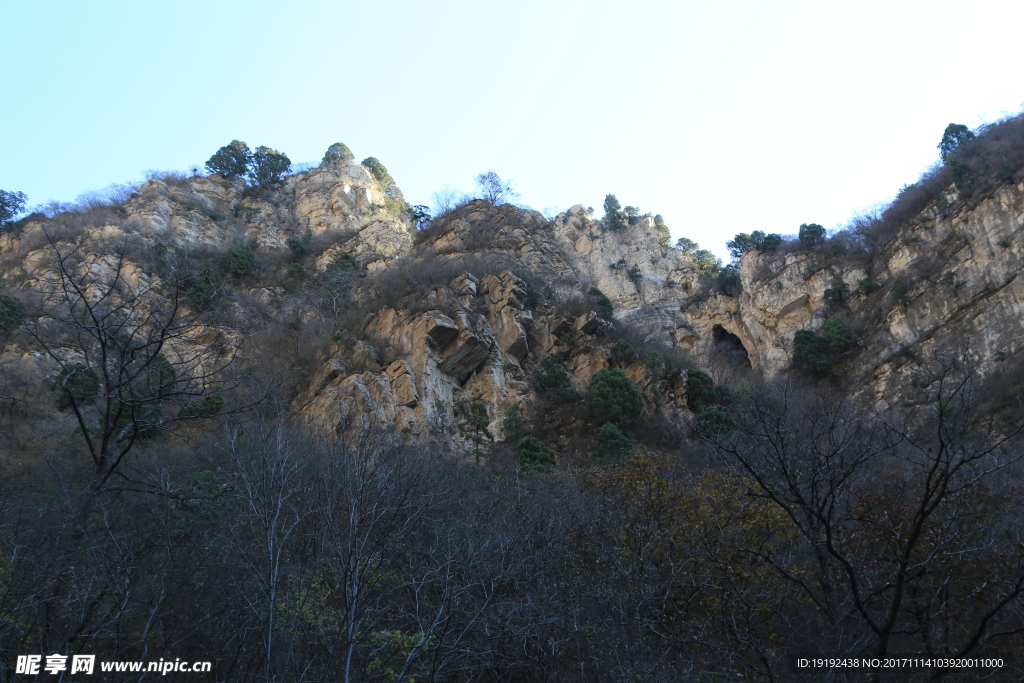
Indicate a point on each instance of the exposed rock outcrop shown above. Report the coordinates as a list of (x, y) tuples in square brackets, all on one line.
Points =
[(949, 278)]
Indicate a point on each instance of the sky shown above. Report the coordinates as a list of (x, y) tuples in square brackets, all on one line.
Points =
[(724, 117)]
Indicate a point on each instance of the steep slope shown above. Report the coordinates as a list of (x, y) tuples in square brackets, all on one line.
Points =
[(408, 330), (518, 292), (947, 282)]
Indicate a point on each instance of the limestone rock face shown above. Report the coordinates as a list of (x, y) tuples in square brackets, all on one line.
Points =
[(439, 329), (634, 267), (488, 340), (467, 352), (446, 363), (486, 347), (507, 317), (948, 279), (345, 198), (960, 271), (341, 201), (331, 194)]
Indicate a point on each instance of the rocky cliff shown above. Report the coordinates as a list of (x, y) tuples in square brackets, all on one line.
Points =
[(415, 326), (945, 283)]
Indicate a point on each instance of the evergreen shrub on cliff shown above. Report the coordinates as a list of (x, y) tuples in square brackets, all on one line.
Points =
[(662, 228), (11, 204), (339, 153), (299, 246), (727, 280), (476, 428), (553, 380), (12, 313), (955, 136), (818, 356), (602, 304), (612, 444), (614, 398), (513, 423), (231, 160), (240, 261), (614, 219), (534, 456), (757, 240), (199, 288), (713, 420), (267, 167), (702, 392), (837, 296), (263, 168), (394, 200), (811, 235)]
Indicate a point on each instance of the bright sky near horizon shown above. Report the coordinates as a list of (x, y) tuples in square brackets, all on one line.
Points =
[(723, 117)]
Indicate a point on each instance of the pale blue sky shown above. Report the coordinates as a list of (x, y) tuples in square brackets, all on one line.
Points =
[(722, 116)]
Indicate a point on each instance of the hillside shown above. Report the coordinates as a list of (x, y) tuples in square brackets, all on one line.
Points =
[(556, 433), (412, 328)]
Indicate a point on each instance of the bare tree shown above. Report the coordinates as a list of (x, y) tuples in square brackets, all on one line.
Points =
[(133, 360), (494, 189), (446, 199), (906, 534), (270, 474), (372, 496)]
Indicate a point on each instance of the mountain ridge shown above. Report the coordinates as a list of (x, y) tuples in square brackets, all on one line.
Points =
[(435, 319)]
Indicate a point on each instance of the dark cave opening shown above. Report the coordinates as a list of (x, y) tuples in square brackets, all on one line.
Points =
[(729, 345)]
